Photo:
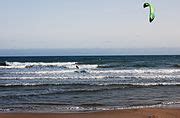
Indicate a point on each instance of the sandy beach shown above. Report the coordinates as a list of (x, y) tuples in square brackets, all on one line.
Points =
[(133, 113)]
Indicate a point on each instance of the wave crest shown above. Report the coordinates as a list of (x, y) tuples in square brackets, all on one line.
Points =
[(70, 65)]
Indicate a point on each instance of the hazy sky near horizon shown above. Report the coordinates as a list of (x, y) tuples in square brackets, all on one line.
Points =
[(30, 24)]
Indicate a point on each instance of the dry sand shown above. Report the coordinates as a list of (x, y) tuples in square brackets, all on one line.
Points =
[(133, 113)]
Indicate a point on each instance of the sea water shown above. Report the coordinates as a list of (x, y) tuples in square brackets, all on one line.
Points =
[(55, 84)]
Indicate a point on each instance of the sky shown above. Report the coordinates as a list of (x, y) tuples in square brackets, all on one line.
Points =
[(89, 24)]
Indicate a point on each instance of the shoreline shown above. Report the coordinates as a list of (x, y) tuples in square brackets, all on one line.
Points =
[(78, 109), (126, 113)]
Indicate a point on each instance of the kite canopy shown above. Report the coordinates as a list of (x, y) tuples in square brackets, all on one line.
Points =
[(151, 7)]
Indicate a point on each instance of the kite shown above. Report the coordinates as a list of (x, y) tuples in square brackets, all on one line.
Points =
[(152, 14)]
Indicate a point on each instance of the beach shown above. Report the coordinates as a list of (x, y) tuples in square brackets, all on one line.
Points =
[(133, 113)]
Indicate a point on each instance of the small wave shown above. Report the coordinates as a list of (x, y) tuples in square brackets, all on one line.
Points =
[(67, 108), (92, 105), (108, 66), (5, 110), (57, 78), (93, 84), (45, 103), (90, 77), (3, 64), (142, 65), (124, 65), (70, 108), (141, 106), (141, 84), (140, 71), (25, 85), (176, 65), (156, 84), (158, 105), (45, 72), (172, 102), (57, 91)]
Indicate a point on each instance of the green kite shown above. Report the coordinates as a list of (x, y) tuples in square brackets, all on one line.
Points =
[(152, 14)]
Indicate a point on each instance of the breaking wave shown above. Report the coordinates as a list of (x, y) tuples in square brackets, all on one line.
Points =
[(70, 65), (176, 65)]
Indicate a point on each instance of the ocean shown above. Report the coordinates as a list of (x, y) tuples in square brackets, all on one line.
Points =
[(55, 83)]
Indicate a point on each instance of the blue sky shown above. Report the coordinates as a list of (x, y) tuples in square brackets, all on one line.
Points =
[(49, 24)]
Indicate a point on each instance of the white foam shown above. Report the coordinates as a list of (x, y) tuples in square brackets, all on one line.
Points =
[(4, 110), (156, 84), (56, 77), (26, 64), (70, 65), (141, 71), (88, 66), (46, 72)]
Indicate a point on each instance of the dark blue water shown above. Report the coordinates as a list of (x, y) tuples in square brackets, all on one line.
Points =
[(54, 84)]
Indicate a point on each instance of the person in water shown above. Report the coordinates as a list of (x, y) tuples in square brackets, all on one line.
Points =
[(79, 70), (77, 66)]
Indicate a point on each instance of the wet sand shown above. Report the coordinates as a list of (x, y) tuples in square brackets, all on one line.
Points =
[(133, 113)]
